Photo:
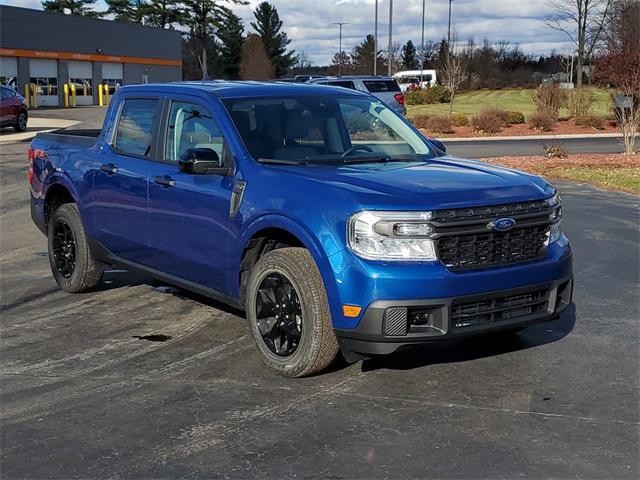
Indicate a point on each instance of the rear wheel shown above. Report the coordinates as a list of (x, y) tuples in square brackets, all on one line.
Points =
[(21, 122), (288, 312), (73, 266)]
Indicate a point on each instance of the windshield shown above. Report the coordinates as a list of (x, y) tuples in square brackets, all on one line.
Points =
[(324, 129)]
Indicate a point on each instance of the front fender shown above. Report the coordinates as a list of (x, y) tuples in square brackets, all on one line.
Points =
[(310, 241)]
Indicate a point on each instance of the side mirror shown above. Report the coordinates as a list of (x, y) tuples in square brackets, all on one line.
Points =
[(438, 144), (202, 161)]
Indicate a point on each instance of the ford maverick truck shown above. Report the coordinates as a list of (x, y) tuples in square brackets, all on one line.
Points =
[(319, 211)]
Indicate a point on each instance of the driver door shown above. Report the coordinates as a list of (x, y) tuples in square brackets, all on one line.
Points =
[(189, 232)]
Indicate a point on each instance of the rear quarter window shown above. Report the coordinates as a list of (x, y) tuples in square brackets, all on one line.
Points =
[(134, 134), (379, 86)]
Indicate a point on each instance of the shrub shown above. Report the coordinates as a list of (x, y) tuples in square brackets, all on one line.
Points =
[(579, 102), (488, 121), (593, 121), (549, 97), (515, 118), (555, 151), (437, 94), (459, 120), (544, 120), (434, 123)]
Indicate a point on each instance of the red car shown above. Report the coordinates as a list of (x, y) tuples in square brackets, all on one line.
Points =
[(13, 109)]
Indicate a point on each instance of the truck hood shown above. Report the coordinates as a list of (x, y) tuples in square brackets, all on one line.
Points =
[(443, 182)]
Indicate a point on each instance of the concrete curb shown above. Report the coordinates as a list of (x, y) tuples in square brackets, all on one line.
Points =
[(530, 137), (41, 125)]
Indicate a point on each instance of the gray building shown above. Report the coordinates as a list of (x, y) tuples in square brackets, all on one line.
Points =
[(49, 50)]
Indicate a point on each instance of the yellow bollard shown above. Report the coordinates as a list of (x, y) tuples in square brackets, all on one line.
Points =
[(106, 94), (27, 95), (100, 99), (34, 91), (66, 95), (73, 94)]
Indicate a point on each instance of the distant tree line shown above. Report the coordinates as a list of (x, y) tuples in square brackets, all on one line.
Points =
[(214, 44)]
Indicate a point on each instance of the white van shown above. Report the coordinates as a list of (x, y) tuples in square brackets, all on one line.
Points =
[(408, 77)]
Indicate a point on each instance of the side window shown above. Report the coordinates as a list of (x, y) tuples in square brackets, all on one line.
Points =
[(343, 84), (134, 135), (191, 126)]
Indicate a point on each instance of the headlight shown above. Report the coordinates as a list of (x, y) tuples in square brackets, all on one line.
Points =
[(391, 235), (556, 217)]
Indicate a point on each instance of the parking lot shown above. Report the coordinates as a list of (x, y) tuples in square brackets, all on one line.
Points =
[(139, 380)]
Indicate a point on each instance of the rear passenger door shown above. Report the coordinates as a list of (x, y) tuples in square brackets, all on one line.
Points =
[(189, 231), (119, 204)]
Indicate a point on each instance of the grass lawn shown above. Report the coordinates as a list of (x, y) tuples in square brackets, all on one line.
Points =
[(625, 179), (518, 99)]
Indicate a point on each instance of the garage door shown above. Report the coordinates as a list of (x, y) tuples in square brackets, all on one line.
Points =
[(112, 76), (9, 71), (44, 74), (81, 75)]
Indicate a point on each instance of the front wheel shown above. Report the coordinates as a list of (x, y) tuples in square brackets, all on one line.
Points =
[(288, 313), (73, 266)]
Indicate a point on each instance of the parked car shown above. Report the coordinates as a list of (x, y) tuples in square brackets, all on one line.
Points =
[(408, 78), (384, 88), (13, 109), (320, 211)]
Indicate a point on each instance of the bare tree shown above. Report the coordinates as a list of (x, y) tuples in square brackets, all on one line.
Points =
[(453, 72), (619, 65), (567, 67), (255, 63), (583, 22)]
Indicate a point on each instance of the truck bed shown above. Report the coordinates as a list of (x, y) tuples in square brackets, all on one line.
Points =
[(77, 138)]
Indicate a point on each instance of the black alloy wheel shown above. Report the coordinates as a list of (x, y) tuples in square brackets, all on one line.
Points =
[(21, 124), (279, 314), (64, 248)]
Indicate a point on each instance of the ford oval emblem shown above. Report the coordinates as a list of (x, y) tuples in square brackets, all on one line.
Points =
[(502, 224)]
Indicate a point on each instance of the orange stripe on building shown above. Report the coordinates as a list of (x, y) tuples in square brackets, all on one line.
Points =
[(16, 52)]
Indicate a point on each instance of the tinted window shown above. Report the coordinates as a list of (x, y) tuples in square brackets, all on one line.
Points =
[(191, 126), (343, 84), (7, 93), (376, 86), (135, 127)]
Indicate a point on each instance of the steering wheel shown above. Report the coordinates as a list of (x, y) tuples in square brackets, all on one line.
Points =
[(352, 150)]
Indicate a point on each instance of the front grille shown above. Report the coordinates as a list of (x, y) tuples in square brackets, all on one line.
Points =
[(477, 250), (464, 239), (511, 307)]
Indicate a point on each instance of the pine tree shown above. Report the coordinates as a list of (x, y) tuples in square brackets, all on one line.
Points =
[(269, 26), (231, 36), (409, 59), (202, 17), (362, 57), (132, 11), (164, 13), (72, 7)]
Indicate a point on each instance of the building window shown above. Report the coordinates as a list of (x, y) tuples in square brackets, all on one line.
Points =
[(113, 84), (9, 81), (83, 86), (45, 85)]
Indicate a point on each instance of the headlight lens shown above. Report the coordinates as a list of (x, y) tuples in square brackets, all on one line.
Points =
[(556, 217), (391, 235)]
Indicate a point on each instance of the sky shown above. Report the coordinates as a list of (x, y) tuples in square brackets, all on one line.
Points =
[(309, 23)]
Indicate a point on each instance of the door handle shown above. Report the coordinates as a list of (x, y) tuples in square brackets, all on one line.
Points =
[(165, 181), (109, 168)]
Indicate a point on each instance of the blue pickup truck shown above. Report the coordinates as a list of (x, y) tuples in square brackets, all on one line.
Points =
[(319, 211)]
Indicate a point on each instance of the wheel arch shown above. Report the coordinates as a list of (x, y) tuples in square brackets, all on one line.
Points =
[(275, 231), (57, 194)]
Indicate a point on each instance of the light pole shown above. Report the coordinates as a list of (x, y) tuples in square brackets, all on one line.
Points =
[(375, 44), (449, 30), (390, 59), (424, 2), (340, 51)]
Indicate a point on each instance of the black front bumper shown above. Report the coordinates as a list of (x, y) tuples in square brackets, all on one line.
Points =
[(389, 325)]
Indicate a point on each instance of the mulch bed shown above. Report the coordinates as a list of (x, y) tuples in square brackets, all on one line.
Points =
[(562, 128), (541, 165)]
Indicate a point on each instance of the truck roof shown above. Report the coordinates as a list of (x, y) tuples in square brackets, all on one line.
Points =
[(248, 89)]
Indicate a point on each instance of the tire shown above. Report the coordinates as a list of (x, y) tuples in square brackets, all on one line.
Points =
[(317, 346), (21, 121), (73, 266)]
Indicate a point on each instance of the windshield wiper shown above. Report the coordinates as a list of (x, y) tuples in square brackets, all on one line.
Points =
[(275, 161)]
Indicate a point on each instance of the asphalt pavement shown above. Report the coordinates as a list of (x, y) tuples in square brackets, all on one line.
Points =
[(139, 380)]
